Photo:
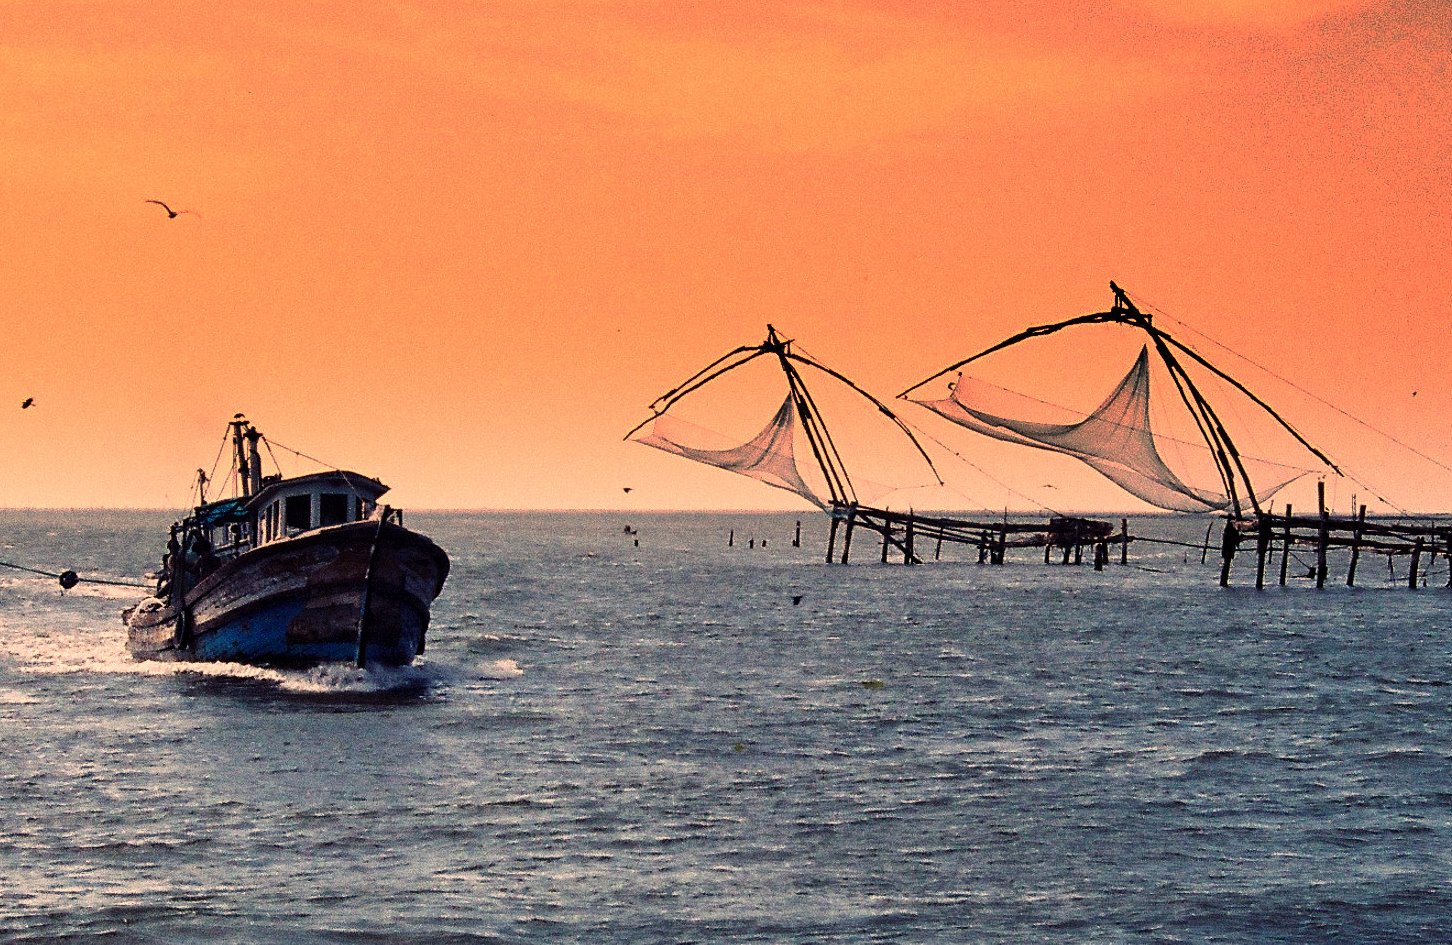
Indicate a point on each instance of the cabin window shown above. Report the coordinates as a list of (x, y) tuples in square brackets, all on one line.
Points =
[(298, 512), (333, 508)]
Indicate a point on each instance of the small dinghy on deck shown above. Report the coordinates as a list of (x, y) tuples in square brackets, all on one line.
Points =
[(291, 572)]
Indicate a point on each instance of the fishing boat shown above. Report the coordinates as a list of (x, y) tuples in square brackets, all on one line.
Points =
[(290, 572)]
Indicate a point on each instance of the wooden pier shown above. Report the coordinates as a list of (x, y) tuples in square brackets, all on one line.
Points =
[(1318, 535), (903, 535)]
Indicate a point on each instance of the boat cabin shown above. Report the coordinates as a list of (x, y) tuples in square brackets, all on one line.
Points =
[(283, 508)]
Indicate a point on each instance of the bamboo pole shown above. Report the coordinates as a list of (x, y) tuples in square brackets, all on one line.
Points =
[(1205, 551), (1416, 560), (907, 545), (1124, 541), (1262, 544), (1286, 545), (832, 537), (797, 541), (1228, 542), (1321, 536), (847, 536), (1355, 547), (886, 533)]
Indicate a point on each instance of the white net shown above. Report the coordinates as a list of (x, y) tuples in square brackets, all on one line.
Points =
[(769, 456), (1115, 438)]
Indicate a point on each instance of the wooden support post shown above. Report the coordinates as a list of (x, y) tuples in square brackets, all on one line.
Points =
[(938, 551), (1078, 550), (847, 536), (1101, 555), (1124, 541), (1286, 546), (982, 547), (1229, 541), (886, 534), (1262, 544), (1355, 547), (1067, 552), (797, 541), (731, 537), (1002, 543), (1048, 547), (907, 545), (1205, 551), (1322, 534), (1416, 562)]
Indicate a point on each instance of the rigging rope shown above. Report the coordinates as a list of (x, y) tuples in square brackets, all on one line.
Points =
[(981, 471)]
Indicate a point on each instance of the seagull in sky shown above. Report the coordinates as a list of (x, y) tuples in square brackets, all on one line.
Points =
[(27, 403), (625, 489), (170, 213)]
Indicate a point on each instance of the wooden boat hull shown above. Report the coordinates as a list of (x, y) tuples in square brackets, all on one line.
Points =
[(303, 601)]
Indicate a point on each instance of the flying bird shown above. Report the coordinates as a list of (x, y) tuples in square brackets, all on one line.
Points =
[(625, 489), (170, 213), (27, 403)]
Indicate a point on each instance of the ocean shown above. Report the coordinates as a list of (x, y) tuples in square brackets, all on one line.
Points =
[(647, 744)]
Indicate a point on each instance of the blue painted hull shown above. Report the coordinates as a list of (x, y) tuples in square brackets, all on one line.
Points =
[(335, 595)]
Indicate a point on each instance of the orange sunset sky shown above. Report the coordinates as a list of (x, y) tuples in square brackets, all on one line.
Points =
[(461, 246)]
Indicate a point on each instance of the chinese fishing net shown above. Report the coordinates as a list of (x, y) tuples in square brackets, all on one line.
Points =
[(769, 456), (1114, 439)]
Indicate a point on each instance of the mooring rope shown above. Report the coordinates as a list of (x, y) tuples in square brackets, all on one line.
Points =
[(69, 579)]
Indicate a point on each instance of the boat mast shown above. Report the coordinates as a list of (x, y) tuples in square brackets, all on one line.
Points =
[(240, 426)]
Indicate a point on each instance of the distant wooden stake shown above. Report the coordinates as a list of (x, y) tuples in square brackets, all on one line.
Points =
[(797, 541), (1355, 547), (1124, 541), (1416, 562), (886, 532), (731, 538), (847, 537), (1205, 551), (832, 538), (907, 546)]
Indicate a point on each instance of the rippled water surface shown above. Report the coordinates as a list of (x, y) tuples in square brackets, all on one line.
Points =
[(611, 743)]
